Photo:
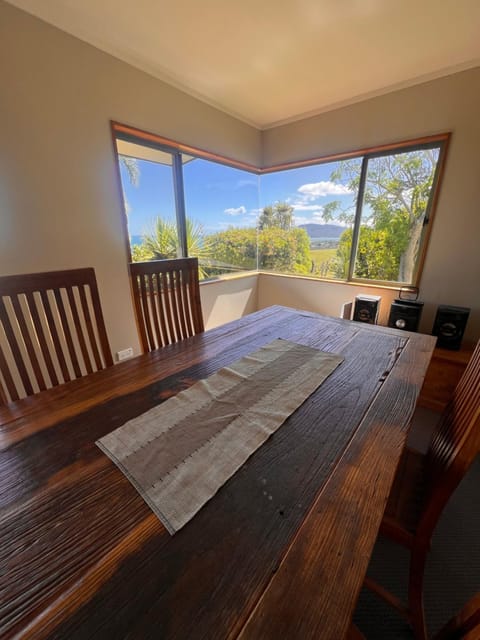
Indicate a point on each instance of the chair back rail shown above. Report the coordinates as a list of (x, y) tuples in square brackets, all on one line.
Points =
[(167, 301), (51, 331)]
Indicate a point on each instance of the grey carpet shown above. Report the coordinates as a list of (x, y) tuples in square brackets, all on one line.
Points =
[(453, 568)]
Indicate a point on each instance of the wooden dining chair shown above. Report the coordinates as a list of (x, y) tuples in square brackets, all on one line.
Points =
[(51, 331), (423, 485), (167, 301), (465, 625)]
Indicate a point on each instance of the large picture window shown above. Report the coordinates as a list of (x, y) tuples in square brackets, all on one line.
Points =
[(361, 217)]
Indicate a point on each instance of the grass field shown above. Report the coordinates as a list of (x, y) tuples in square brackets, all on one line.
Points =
[(320, 257)]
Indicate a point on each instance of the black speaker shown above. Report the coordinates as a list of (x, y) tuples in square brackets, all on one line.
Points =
[(366, 309), (405, 314), (449, 326)]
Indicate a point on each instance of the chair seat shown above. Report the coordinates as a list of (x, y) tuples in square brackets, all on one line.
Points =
[(406, 501)]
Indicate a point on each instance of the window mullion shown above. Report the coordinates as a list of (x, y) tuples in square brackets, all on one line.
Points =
[(358, 217), (180, 203)]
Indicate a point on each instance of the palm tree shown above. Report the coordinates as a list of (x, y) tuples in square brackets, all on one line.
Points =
[(131, 167), (133, 173), (162, 243)]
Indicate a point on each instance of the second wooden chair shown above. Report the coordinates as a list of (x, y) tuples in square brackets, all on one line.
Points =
[(424, 484), (167, 301)]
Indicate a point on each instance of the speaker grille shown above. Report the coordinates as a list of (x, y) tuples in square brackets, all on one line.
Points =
[(449, 326)]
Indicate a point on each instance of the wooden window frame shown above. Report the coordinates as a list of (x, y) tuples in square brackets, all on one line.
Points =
[(132, 134)]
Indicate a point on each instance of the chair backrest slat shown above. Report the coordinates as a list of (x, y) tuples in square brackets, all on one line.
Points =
[(32, 307), (154, 296), (194, 298), (90, 331), (67, 333), (146, 311), (10, 387), (167, 301), (79, 331), (160, 311), (183, 297), (55, 329), (103, 342), (174, 290), (454, 446), (15, 349), (53, 332), (28, 343)]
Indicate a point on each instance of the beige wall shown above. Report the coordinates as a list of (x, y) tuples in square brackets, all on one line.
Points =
[(60, 205), (228, 299), (322, 297), (59, 200), (452, 269)]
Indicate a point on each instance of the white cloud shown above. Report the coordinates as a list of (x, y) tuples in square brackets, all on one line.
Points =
[(301, 206), (315, 217), (312, 213), (238, 211), (302, 220), (225, 226), (323, 188), (245, 183)]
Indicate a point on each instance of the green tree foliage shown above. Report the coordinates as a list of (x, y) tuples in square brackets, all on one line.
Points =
[(140, 253), (377, 255), (234, 249), (279, 215), (162, 243), (396, 197), (343, 255), (279, 249), (284, 250)]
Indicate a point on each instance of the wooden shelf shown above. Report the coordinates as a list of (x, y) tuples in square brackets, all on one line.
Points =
[(445, 370)]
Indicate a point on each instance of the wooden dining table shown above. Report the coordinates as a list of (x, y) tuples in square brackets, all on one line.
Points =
[(280, 551)]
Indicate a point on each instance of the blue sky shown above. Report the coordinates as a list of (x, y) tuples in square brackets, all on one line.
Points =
[(220, 197)]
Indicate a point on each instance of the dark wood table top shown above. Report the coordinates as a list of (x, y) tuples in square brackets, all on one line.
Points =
[(279, 552)]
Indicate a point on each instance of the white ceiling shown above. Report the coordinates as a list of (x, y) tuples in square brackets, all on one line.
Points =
[(274, 61)]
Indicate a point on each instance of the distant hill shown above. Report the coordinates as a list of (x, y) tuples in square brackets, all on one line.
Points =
[(323, 230)]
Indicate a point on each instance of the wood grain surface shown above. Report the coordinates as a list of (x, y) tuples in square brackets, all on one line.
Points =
[(280, 551), (167, 301)]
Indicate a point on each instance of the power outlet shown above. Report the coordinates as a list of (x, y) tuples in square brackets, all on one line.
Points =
[(125, 354)]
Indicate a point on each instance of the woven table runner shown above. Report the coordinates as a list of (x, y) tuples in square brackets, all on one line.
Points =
[(178, 454)]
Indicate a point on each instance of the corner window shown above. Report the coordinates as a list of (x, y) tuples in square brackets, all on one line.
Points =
[(364, 217)]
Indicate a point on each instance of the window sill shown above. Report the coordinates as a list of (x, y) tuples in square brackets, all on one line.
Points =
[(229, 276), (364, 284), (353, 283)]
